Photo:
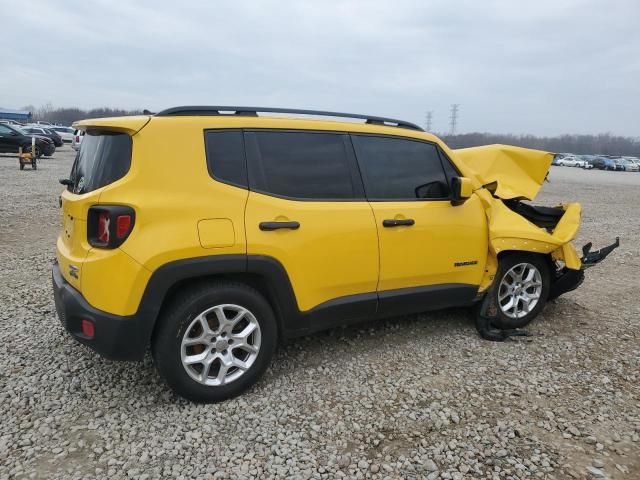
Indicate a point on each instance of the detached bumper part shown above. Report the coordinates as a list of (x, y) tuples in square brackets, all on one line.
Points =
[(566, 280), (589, 258)]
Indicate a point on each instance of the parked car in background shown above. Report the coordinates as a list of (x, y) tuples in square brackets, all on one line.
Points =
[(619, 165), (12, 138), (569, 161), (66, 133), (574, 161), (628, 165), (77, 139), (634, 160), (609, 164), (595, 161), (45, 132)]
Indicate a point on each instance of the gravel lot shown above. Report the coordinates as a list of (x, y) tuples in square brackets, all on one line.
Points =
[(411, 397)]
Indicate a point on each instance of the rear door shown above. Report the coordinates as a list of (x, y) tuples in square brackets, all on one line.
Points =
[(432, 254), (307, 210)]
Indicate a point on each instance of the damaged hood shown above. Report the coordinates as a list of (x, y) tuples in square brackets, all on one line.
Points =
[(518, 172)]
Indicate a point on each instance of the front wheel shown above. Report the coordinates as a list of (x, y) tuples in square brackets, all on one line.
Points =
[(524, 281), (215, 341)]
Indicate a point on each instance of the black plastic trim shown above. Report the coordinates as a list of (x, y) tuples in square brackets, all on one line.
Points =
[(566, 281), (127, 338), (268, 226), (404, 222), (205, 110), (404, 301), (116, 337)]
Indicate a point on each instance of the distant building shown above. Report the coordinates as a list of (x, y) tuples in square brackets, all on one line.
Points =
[(16, 115)]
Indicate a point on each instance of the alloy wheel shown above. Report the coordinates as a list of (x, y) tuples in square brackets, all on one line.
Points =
[(220, 344), (519, 290)]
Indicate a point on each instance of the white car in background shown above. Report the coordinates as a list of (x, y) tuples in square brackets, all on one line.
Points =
[(77, 139), (629, 165), (573, 161), (66, 133), (570, 161)]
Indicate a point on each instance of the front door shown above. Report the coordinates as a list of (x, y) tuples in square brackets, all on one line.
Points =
[(432, 254), (307, 210)]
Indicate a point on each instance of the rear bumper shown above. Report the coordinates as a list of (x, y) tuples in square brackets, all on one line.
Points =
[(115, 337)]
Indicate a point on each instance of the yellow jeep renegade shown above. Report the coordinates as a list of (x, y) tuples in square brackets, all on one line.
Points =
[(209, 233)]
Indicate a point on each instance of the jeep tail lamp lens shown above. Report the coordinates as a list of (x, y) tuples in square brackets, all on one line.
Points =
[(103, 227), (108, 226), (123, 226)]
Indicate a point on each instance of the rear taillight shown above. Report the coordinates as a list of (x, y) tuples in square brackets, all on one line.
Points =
[(108, 226), (88, 329), (77, 138)]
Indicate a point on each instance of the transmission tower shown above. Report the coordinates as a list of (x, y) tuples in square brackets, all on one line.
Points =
[(427, 120), (454, 117)]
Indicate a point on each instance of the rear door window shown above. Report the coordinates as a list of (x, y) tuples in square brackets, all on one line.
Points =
[(400, 169), (302, 165), (103, 158)]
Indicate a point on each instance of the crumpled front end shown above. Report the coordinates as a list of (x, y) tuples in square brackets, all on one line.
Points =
[(511, 174)]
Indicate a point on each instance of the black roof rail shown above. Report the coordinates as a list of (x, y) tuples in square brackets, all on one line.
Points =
[(200, 110)]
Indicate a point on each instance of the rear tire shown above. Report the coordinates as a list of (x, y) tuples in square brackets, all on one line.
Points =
[(518, 297), (202, 354)]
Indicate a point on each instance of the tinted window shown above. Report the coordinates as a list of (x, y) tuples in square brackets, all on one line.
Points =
[(449, 169), (301, 165), (5, 130), (225, 156), (394, 168), (103, 158)]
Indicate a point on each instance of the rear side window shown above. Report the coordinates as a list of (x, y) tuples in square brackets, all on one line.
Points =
[(398, 169), (225, 156), (103, 158), (302, 165)]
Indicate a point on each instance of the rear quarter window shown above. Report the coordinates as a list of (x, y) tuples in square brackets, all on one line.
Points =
[(103, 158), (225, 156)]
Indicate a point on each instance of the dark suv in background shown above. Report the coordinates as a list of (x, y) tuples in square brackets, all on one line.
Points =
[(44, 132), (12, 138)]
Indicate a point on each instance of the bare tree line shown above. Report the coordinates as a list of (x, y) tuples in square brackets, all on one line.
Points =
[(603, 144), (66, 116)]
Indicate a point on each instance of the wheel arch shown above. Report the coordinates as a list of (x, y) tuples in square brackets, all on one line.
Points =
[(265, 274)]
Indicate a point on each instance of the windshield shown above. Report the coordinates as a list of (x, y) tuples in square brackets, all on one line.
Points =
[(18, 129), (103, 158)]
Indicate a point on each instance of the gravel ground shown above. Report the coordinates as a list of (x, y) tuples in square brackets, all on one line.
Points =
[(412, 397)]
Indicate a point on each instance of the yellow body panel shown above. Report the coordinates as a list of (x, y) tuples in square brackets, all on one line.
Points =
[(112, 281), (435, 249), (519, 172), (334, 253), (340, 248), (216, 233)]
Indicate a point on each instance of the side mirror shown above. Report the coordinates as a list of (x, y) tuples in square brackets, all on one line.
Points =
[(462, 189)]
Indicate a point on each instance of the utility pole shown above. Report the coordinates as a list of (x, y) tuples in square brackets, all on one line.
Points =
[(454, 117), (427, 120)]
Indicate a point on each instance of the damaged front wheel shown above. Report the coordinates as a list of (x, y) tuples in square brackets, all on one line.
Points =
[(522, 287)]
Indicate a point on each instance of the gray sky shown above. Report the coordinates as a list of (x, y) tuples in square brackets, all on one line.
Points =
[(540, 67)]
